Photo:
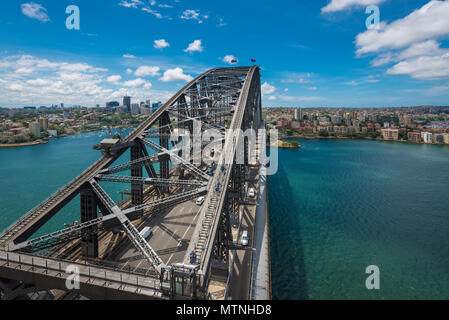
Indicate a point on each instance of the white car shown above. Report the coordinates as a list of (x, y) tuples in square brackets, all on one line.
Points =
[(200, 201), (146, 232), (252, 193), (245, 238)]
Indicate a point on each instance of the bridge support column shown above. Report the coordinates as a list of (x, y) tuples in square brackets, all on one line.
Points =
[(136, 187), (164, 159), (89, 211)]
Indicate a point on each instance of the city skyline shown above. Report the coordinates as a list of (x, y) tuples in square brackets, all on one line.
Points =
[(312, 55)]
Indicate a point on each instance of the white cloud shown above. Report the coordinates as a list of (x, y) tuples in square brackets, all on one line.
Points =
[(35, 11), (138, 4), (77, 83), (195, 46), (411, 43), (129, 56), (339, 5), (153, 12), (268, 88), (176, 74), (423, 67), (114, 79), (161, 44), (72, 83), (230, 59), (129, 71), (145, 71), (429, 22), (130, 4), (134, 83), (193, 15), (190, 14)]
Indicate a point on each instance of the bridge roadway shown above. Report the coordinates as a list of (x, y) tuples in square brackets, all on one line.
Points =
[(172, 231), (25, 227)]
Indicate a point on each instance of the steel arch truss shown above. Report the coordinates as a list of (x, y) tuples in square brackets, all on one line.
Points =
[(211, 99)]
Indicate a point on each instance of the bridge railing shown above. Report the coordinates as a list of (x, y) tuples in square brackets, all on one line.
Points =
[(138, 278)]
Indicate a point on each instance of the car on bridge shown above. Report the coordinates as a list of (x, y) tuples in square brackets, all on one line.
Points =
[(245, 238), (200, 201), (252, 193), (146, 232)]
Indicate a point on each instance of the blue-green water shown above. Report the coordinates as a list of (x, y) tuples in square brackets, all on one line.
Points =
[(337, 207), (29, 175)]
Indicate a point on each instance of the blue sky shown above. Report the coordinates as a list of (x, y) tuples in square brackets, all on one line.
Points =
[(312, 53)]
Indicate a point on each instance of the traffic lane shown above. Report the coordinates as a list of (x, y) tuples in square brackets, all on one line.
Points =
[(241, 270), (171, 235)]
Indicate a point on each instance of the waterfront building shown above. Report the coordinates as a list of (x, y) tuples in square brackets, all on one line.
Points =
[(52, 133), (390, 134), (43, 122), (414, 136), (446, 138), (438, 138), (35, 129), (426, 137)]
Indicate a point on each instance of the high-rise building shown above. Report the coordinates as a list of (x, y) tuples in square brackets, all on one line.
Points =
[(35, 129), (127, 103), (156, 106), (43, 122), (298, 114), (135, 109)]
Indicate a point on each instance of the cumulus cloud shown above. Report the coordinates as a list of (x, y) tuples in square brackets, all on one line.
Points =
[(195, 46), (411, 43), (134, 83), (268, 88), (35, 11), (161, 44), (423, 67), (46, 82), (230, 59), (114, 79), (145, 71), (176, 74), (339, 5), (428, 22)]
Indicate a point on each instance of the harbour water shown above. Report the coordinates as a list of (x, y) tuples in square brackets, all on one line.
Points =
[(337, 207), (29, 175)]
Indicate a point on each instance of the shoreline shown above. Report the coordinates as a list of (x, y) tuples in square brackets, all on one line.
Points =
[(358, 138), (25, 144), (35, 143)]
